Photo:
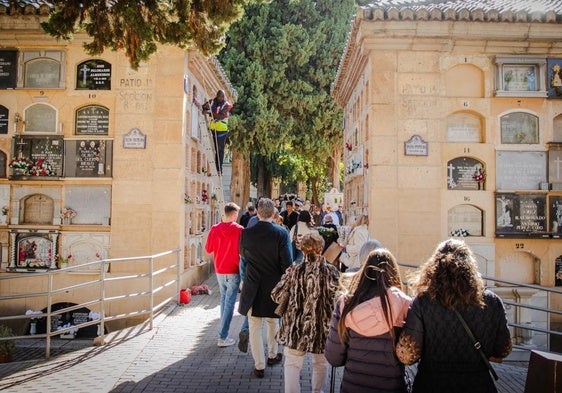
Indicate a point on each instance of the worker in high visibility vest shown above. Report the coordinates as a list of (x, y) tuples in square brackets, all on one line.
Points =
[(219, 111)]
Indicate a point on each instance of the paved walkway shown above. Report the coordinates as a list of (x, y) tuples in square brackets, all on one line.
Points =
[(178, 355)]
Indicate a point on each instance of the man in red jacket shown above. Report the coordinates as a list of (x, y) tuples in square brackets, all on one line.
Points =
[(223, 242)]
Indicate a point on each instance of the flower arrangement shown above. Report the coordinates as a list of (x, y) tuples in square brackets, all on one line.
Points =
[(479, 175), (187, 199), (68, 213), (21, 163), (461, 232), (204, 196), (327, 233), (5, 210), (41, 168), (348, 146), (62, 262), (508, 76)]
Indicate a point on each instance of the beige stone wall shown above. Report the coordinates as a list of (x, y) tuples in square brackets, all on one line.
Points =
[(148, 213)]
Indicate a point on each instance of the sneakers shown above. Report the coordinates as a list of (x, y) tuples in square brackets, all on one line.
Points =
[(275, 360), (243, 336), (227, 342), (259, 373)]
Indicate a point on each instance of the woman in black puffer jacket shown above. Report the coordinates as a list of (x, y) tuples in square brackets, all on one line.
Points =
[(364, 327)]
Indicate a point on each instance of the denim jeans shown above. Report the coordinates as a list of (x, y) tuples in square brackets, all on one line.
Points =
[(228, 285)]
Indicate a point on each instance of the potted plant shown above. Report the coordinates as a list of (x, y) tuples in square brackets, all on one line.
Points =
[(7, 347)]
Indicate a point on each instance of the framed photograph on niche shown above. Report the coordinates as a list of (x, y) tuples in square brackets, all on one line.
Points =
[(521, 76)]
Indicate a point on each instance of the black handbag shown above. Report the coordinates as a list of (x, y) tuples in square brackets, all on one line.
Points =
[(477, 346)]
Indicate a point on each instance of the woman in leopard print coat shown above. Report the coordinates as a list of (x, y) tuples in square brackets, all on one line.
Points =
[(306, 295)]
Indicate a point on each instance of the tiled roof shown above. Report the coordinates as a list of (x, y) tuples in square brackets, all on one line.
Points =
[(471, 5), (477, 10)]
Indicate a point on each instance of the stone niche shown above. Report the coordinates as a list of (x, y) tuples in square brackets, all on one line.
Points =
[(85, 247)]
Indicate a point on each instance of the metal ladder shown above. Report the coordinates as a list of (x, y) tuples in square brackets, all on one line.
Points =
[(207, 141)]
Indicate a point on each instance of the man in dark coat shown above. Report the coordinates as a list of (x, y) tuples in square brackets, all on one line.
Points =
[(266, 249)]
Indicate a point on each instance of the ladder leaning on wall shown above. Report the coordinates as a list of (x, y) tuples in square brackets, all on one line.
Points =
[(218, 191)]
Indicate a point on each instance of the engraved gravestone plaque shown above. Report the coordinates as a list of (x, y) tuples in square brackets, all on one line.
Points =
[(519, 128), (460, 173), (93, 75), (88, 158), (8, 69), (92, 120), (4, 120), (520, 170)]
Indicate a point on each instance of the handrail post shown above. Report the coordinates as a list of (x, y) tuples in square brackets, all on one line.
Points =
[(178, 285), (151, 290), (102, 303), (48, 324)]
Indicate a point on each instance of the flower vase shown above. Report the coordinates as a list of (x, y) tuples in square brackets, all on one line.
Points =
[(33, 327), (18, 172)]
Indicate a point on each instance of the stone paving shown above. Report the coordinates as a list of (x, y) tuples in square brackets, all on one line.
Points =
[(178, 355)]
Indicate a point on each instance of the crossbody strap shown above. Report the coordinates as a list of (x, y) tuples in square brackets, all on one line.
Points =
[(477, 346)]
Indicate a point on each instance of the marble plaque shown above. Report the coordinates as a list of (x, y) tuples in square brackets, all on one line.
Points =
[(41, 118), (465, 217), (519, 128), (93, 75), (464, 127), (4, 119), (8, 69), (520, 170), (42, 73), (92, 120), (555, 164)]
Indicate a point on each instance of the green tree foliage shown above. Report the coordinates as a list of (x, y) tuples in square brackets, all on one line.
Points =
[(282, 58), (138, 26)]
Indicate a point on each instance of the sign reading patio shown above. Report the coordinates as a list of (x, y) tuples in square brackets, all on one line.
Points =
[(415, 146), (134, 139)]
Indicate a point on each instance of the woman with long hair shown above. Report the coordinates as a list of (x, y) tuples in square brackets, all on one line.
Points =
[(306, 295), (365, 325), (450, 290)]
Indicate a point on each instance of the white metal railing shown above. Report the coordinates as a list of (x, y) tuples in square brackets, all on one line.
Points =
[(101, 301), (519, 305)]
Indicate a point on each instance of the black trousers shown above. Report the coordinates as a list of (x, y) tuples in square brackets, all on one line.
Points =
[(219, 141)]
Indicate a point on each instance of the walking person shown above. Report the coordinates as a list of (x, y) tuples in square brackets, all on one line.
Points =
[(306, 296), (449, 291), (303, 227), (365, 326), (223, 242), (267, 250), (352, 244)]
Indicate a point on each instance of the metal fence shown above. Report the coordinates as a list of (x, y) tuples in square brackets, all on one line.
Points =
[(519, 328), (150, 284)]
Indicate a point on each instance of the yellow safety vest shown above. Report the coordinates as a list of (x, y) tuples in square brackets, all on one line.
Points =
[(219, 125)]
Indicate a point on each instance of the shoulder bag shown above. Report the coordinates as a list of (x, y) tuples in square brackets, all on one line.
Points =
[(477, 346)]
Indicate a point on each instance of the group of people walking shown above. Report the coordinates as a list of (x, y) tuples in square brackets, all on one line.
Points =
[(361, 319)]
